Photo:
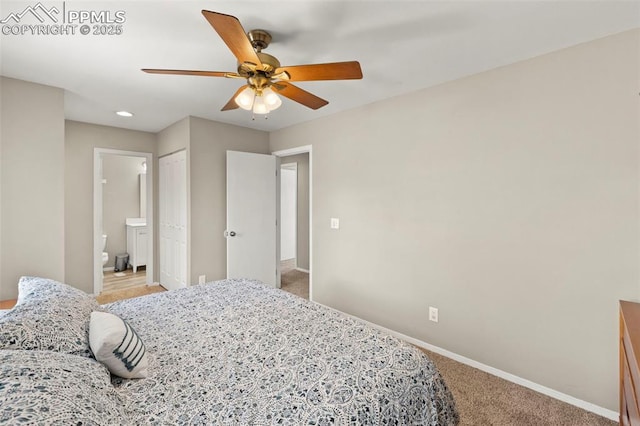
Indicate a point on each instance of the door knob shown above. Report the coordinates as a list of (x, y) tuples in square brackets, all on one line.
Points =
[(229, 233)]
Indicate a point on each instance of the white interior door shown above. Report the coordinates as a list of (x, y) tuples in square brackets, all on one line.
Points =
[(252, 209), (173, 220)]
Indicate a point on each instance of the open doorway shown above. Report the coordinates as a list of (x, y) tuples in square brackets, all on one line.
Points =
[(123, 220), (289, 214), (295, 221)]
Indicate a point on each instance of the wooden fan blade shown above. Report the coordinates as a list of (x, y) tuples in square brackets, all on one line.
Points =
[(297, 94), (232, 103), (191, 72), (231, 32), (331, 71)]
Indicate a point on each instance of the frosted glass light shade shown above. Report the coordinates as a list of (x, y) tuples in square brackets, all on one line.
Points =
[(259, 107), (245, 98), (272, 100)]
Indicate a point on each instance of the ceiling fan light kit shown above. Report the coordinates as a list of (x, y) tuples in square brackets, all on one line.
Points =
[(266, 78), (262, 102)]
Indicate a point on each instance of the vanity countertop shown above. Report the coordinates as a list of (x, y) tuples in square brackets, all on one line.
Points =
[(136, 221)]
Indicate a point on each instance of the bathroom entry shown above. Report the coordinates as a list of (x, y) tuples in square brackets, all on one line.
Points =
[(122, 220)]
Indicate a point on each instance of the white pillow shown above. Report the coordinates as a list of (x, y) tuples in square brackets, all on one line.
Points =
[(115, 344)]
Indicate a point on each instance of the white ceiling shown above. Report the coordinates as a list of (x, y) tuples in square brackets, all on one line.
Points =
[(402, 46)]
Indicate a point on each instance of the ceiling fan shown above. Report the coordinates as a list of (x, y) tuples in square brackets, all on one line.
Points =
[(263, 72)]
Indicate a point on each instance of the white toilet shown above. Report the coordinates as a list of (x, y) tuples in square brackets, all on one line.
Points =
[(105, 255)]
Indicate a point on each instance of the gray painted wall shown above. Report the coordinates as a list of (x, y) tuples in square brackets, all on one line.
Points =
[(174, 138), (80, 141), (120, 200), (302, 249), (508, 199), (209, 142), (206, 143), (31, 183)]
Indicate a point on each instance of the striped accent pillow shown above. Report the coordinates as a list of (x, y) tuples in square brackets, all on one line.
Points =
[(116, 344)]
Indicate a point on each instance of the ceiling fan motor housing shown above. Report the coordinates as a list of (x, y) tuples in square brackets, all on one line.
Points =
[(269, 63), (269, 66), (259, 39)]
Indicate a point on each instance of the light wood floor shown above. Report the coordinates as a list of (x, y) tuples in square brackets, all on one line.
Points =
[(113, 283), (7, 304), (128, 293), (293, 281)]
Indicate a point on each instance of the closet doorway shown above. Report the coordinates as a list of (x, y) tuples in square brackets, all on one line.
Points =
[(172, 218)]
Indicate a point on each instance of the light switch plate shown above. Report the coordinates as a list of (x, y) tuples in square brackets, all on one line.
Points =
[(433, 314), (335, 223)]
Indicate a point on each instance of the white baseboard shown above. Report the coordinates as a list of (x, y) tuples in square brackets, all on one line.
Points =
[(108, 268), (302, 270), (601, 411)]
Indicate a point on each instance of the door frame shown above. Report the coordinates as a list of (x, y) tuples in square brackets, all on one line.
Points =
[(97, 213), (294, 151)]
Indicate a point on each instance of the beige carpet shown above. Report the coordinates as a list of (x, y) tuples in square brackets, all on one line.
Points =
[(127, 293), (296, 282), (483, 399)]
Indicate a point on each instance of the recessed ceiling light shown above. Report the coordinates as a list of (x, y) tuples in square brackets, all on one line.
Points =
[(124, 114)]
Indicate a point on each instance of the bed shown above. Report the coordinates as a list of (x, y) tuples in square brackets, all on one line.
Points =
[(227, 352)]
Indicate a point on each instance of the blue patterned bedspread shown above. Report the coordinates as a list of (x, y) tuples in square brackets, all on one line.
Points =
[(238, 352)]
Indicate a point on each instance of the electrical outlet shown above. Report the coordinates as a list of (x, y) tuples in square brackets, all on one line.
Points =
[(433, 314), (202, 279), (335, 223)]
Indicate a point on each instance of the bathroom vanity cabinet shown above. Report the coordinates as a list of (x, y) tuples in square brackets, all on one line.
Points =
[(137, 242)]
